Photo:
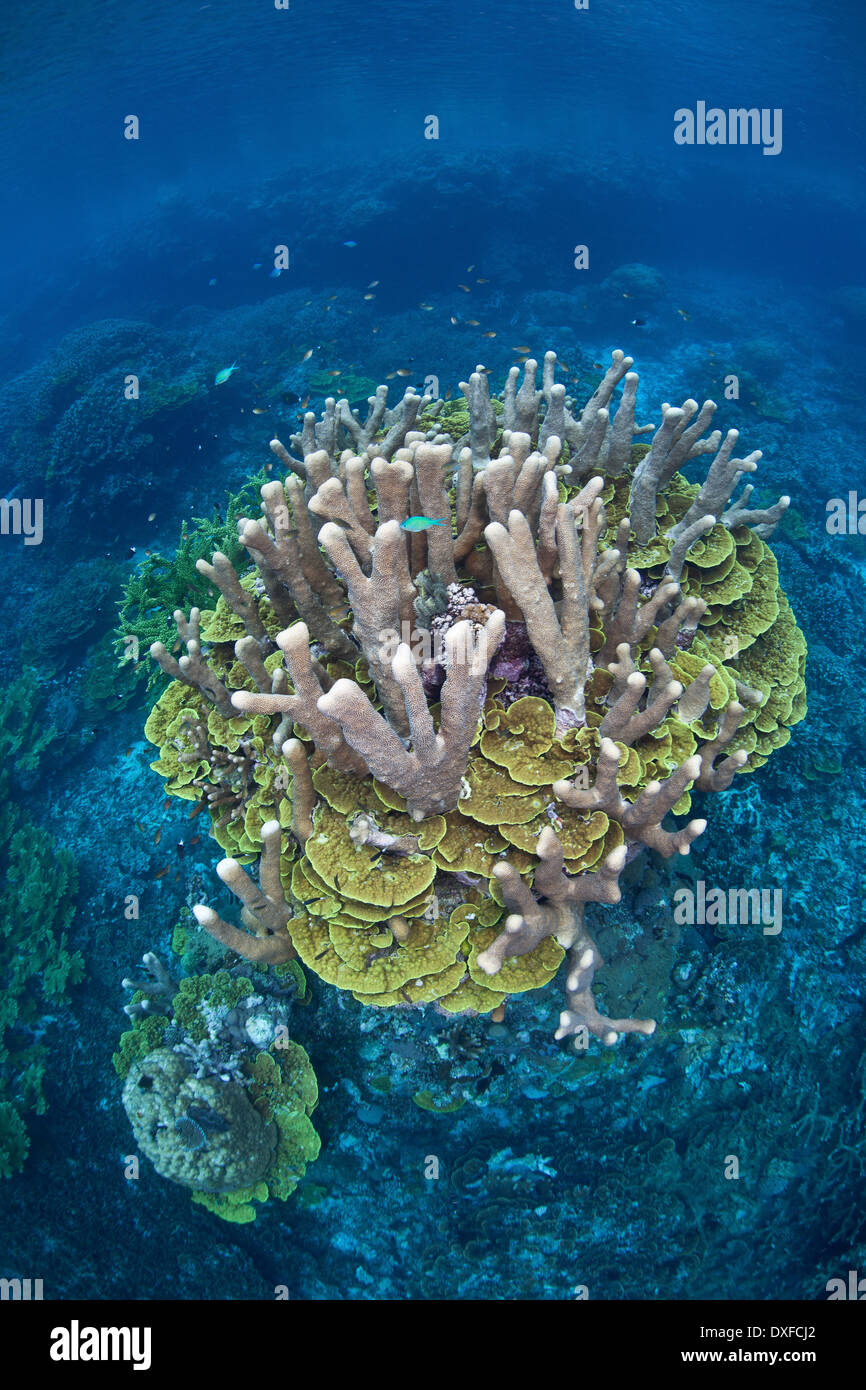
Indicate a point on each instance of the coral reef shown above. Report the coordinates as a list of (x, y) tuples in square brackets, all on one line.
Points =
[(37, 966), (438, 746), (217, 1094)]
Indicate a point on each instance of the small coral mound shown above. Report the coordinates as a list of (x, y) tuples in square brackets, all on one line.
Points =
[(432, 746), (218, 1096)]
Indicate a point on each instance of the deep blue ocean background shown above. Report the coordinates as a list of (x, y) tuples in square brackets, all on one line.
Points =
[(305, 127)]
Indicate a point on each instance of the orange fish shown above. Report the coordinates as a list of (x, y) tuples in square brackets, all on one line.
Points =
[(305, 402), (196, 811), (195, 839), (162, 872)]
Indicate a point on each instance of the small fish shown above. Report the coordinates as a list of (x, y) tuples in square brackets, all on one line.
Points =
[(469, 269), (261, 409), (473, 323), (454, 318), (626, 296), (211, 283), (306, 401), (162, 872), (683, 315), (524, 348), (157, 837), (350, 243), (337, 372), (257, 266), (307, 355), (332, 297), (638, 323), (372, 285), (166, 805), (275, 273), (428, 308), (374, 330), (224, 374), (195, 839), (152, 516), (403, 371), (196, 811), (490, 334), (598, 366), (464, 287), (419, 523), (369, 296), (139, 823), (482, 280)]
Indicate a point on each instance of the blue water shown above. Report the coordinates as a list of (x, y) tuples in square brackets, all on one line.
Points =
[(306, 128)]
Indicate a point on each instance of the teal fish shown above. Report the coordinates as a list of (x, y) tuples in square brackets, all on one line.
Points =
[(419, 523), (224, 374)]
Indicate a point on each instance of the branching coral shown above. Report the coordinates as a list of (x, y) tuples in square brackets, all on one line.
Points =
[(418, 732)]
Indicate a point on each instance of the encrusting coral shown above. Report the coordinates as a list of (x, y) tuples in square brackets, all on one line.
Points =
[(218, 1096), (405, 736)]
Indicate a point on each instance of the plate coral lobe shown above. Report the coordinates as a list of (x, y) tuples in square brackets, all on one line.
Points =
[(424, 752)]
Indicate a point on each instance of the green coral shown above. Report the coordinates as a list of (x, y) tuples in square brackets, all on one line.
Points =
[(37, 965), (164, 583), (236, 1135)]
